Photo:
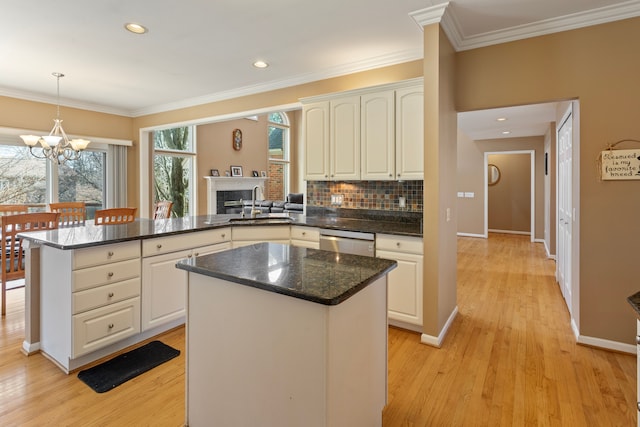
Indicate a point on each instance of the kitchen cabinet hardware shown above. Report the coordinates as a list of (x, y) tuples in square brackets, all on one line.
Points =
[(159, 246), (111, 325), (110, 253), (111, 294), (110, 274)]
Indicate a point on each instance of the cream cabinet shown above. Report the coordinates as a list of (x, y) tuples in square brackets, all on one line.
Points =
[(316, 140), (332, 139), (249, 235), (409, 141), (163, 285), (90, 299), (392, 134), (405, 281), (378, 136), (371, 134), (306, 237)]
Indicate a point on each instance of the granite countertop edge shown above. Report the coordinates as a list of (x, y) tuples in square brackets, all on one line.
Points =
[(155, 229), (189, 266)]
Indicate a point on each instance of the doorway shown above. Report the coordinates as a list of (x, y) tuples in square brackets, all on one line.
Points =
[(507, 185)]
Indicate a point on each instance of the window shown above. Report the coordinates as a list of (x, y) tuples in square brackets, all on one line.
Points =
[(83, 180), (23, 178), (173, 168), (278, 132)]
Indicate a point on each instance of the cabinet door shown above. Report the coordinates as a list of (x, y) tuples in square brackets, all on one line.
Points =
[(405, 287), (410, 133), (345, 138), (377, 124), (315, 118), (163, 289)]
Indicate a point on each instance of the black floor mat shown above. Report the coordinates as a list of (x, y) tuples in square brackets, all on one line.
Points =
[(122, 368)]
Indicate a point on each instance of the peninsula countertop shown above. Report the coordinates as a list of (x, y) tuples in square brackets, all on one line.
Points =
[(89, 235), (314, 275)]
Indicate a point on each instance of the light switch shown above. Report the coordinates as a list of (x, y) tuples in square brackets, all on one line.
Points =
[(460, 194), (470, 195)]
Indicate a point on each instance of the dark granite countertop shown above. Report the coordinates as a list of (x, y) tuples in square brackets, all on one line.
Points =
[(634, 300), (92, 235), (319, 276)]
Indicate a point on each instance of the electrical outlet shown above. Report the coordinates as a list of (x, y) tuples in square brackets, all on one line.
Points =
[(337, 199), (402, 202)]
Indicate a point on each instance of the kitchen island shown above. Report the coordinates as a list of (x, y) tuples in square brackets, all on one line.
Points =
[(94, 290), (279, 335)]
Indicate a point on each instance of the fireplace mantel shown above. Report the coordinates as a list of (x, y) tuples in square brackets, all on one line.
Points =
[(227, 183)]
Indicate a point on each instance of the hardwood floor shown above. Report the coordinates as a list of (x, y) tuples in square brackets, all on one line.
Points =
[(510, 359)]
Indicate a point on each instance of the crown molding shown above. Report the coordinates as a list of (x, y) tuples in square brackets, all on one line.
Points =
[(64, 102), (445, 16)]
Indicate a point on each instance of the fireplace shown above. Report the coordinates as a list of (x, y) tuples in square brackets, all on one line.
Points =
[(234, 185), (229, 201)]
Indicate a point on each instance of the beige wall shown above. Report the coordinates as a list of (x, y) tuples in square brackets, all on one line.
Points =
[(440, 130), (471, 179), (509, 199), (597, 65), (21, 114)]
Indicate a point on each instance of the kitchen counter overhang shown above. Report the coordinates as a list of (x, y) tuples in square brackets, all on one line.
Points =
[(314, 275)]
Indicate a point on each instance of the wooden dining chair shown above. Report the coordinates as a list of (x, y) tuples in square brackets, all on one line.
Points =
[(12, 253), (115, 216), (71, 213), (13, 209), (162, 209)]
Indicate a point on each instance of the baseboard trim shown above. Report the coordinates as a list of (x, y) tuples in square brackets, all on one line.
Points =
[(472, 235), (30, 348), (437, 341), (527, 233), (607, 345)]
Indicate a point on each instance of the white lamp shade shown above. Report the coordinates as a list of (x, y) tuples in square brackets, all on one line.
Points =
[(52, 140), (30, 140), (79, 144)]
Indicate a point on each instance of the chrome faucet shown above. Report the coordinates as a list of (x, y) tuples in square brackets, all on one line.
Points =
[(254, 193)]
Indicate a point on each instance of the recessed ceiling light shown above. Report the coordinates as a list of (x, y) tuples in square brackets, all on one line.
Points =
[(506, 132), (135, 28), (501, 119), (260, 64)]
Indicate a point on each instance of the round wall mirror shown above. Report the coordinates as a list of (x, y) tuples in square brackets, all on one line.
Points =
[(493, 174)]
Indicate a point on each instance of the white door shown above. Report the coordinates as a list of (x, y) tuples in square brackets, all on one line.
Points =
[(565, 208)]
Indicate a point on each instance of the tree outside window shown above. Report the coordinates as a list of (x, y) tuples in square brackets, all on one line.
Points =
[(173, 162)]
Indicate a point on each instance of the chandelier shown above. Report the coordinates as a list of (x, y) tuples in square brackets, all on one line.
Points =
[(56, 146)]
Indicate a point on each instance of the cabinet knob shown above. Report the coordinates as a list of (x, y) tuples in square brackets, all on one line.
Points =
[(110, 274), (398, 175), (397, 244), (111, 325), (159, 246), (189, 256), (224, 235), (326, 176), (111, 294), (196, 254), (390, 175), (304, 233), (110, 253)]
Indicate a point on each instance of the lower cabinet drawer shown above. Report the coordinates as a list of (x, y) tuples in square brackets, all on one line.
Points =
[(104, 295), (98, 328)]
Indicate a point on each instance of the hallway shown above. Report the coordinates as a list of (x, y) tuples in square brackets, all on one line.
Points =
[(510, 358)]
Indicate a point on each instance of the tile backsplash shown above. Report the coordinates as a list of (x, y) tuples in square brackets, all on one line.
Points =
[(374, 195)]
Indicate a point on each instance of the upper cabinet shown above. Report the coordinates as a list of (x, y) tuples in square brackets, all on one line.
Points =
[(332, 139), (372, 134), (410, 133)]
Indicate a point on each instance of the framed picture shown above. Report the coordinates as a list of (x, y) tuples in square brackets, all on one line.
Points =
[(263, 174), (236, 170), (215, 172), (237, 139), (254, 173)]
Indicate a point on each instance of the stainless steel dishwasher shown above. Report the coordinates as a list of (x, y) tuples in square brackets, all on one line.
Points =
[(348, 242)]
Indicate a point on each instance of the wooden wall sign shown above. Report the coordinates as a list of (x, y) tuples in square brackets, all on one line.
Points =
[(620, 165)]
